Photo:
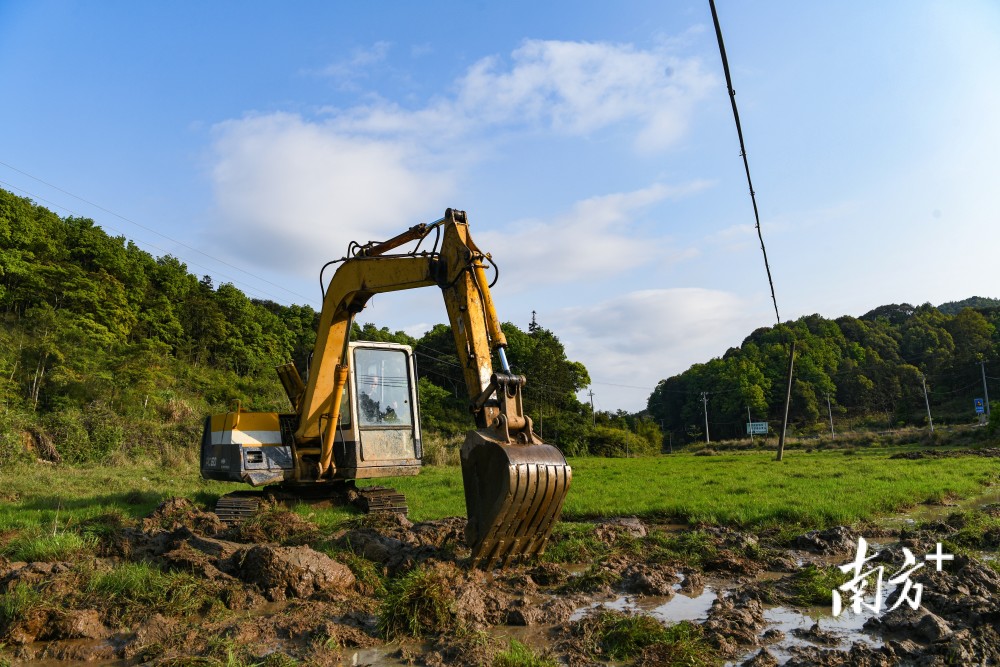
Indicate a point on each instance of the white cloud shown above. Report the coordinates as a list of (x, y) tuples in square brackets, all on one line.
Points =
[(642, 337), (573, 88), (596, 239), (293, 189), (580, 87), (292, 193)]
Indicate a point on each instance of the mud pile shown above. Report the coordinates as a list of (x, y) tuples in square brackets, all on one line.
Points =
[(278, 589)]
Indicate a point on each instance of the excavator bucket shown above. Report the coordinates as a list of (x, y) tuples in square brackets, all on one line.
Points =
[(513, 497)]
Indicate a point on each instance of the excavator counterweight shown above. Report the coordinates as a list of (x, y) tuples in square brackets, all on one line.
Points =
[(356, 414)]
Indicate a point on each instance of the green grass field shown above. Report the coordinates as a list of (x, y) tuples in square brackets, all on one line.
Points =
[(820, 488), (748, 490)]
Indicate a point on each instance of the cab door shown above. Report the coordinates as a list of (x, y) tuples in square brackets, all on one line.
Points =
[(385, 405)]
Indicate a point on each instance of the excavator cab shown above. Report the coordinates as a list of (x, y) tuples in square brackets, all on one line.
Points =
[(377, 433)]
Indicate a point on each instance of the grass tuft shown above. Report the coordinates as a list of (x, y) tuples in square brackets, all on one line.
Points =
[(595, 578), (815, 585), (416, 604), (519, 655), (368, 575), (620, 636), (134, 589), (574, 543), (694, 547), (48, 548), (18, 603)]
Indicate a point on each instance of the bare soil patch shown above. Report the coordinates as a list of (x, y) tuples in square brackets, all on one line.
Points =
[(279, 589)]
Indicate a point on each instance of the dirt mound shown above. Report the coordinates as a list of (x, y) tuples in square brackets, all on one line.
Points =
[(174, 513), (832, 541), (612, 530), (472, 649), (398, 548), (275, 523), (734, 624), (987, 452), (860, 654), (644, 579), (80, 624), (956, 618), (290, 572)]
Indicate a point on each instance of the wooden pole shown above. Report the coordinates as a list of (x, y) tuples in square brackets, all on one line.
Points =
[(788, 401)]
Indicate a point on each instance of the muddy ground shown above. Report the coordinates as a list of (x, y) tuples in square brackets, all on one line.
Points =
[(276, 590)]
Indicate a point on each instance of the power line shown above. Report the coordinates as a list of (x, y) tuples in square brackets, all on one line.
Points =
[(743, 151), (151, 230)]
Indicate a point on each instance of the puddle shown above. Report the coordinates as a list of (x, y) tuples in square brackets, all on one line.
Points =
[(70, 648), (931, 513), (671, 610), (843, 631), (846, 628), (380, 656)]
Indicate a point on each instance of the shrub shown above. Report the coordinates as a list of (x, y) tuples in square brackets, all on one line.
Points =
[(441, 450), (615, 442), (69, 434)]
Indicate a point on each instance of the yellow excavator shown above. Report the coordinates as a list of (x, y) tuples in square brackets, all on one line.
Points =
[(356, 415)]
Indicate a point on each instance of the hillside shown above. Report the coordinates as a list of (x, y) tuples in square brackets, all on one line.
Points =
[(867, 372), (977, 302)]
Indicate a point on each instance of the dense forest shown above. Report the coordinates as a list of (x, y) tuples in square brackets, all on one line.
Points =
[(868, 372), (108, 352)]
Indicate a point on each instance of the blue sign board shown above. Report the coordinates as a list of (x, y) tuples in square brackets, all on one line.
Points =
[(756, 428), (980, 406)]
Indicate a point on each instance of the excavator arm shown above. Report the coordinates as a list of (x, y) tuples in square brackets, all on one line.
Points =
[(514, 483)]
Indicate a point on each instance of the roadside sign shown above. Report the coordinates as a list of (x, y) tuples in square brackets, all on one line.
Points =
[(980, 406), (756, 428)]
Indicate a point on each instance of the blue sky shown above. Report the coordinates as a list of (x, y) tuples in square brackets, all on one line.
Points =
[(592, 145)]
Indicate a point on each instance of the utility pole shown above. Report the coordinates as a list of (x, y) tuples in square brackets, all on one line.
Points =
[(670, 441), (927, 402), (788, 401), (704, 400), (592, 413), (986, 392), (829, 411), (750, 424)]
